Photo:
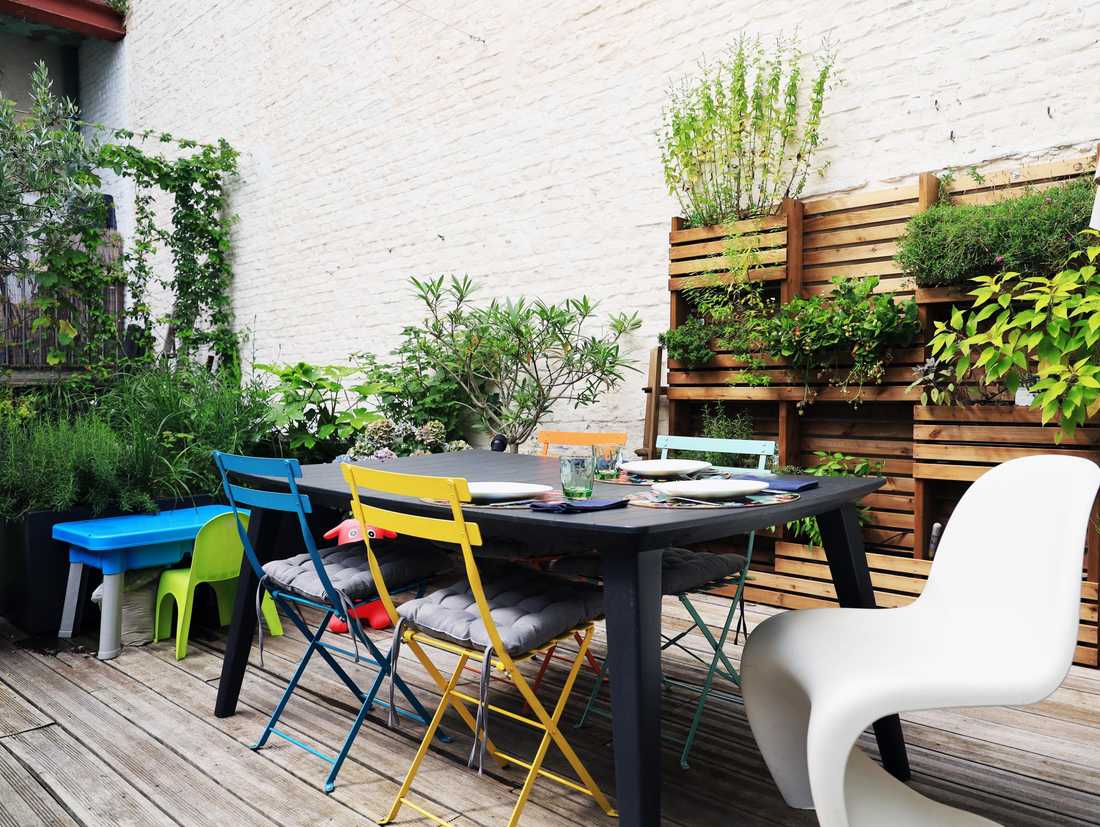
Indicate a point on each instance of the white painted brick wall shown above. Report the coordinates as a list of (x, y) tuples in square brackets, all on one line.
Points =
[(379, 143)]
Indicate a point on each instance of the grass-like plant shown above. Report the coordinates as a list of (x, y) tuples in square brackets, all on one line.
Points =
[(951, 244), (741, 137), (147, 435)]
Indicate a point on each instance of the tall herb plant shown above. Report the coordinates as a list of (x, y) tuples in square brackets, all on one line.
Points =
[(742, 136)]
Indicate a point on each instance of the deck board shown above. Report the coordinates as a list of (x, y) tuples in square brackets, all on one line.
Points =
[(141, 726)]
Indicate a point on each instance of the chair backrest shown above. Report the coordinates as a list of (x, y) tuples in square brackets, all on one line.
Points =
[(763, 449), (454, 529), (218, 548), (1016, 541), (582, 438), (291, 501)]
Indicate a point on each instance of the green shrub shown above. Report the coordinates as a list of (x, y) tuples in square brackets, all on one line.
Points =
[(61, 464), (146, 436), (1039, 331), (319, 409), (1035, 233), (813, 334), (689, 344), (718, 423)]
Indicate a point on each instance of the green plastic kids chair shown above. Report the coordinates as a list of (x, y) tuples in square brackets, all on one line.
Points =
[(216, 560)]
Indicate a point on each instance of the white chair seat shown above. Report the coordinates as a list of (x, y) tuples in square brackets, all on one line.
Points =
[(996, 624), (874, 797)]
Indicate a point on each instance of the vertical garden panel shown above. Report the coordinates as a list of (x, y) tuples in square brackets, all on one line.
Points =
[(928, 455)]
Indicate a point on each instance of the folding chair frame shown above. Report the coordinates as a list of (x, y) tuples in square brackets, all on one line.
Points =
[(719, 665), (467, 535), (297, 503)]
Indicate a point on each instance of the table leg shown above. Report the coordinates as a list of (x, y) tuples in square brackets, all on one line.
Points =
[(632, 603), (263, 529), (71, 612), (110, 621), (843, 540)]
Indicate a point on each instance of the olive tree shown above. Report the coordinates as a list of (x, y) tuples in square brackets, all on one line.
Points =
[(514, 360)]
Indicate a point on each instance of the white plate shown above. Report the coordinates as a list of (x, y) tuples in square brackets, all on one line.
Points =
[(495, 492), (710, 489), (664, 467)]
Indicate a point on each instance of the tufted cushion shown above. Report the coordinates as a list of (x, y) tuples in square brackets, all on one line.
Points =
[(403, 561), (529, 609), (682, 569)]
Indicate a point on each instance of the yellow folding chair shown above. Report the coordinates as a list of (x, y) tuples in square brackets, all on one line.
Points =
[(453, 529)]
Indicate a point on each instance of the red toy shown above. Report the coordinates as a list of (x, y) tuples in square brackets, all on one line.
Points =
[(374, 613)]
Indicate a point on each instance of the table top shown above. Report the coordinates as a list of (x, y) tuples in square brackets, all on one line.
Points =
[(132, 530), (632, 527)]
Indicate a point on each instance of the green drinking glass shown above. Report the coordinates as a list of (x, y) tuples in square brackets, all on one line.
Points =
[(577, 469)]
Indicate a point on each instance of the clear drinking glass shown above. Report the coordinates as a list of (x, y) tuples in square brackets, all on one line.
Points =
[(608, 458), (577, 469)]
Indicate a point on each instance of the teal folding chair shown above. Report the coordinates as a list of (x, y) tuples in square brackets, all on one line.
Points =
[(321, 579), (686, 572)]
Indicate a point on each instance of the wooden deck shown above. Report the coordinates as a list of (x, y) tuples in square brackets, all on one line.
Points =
[(134, 741)]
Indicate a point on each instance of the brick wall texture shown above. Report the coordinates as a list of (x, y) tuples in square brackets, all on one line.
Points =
[(515, 141)]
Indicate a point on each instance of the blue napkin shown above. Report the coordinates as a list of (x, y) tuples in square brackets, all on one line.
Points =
[(790, 484), (577, 506)]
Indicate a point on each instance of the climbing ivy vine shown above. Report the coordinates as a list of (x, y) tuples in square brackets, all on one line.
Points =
[(52, 235), (198, 237)]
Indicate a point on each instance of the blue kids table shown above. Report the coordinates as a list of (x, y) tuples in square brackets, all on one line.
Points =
[(115, 545)]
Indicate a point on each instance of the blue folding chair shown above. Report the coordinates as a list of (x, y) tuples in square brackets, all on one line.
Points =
[(307, 580), (686, 572)]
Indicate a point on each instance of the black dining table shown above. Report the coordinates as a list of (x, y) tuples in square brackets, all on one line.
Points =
[(630, 542)]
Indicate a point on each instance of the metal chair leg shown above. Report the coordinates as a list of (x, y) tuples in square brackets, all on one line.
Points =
[(719, 655)]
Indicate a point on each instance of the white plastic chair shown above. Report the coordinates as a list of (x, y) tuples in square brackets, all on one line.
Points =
[(813, 680)]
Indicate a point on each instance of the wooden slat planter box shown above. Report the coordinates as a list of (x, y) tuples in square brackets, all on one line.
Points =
[(800, 579), (962, 443), (927, 457)]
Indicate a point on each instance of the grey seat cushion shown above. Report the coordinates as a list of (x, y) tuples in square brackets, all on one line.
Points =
[(528, 608), (682, 569), (402, 561)]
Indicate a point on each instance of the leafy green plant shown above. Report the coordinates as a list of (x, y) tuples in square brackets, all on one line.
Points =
[(689, 344), (58, 465), (195, 176), (51, 226), (318, 409), (741, 137), (52, 238), (816, 334), (410, 391), (1043, 325), (737, 314), (1035, 233), (515, 360), (833, 464)]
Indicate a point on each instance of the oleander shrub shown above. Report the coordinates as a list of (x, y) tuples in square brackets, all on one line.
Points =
[(1035, 233)]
